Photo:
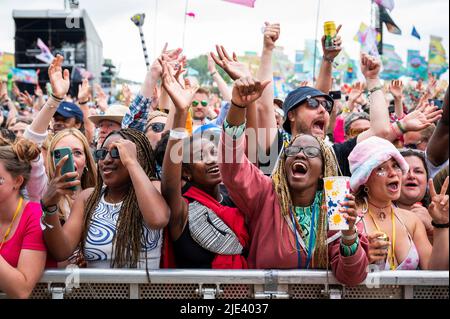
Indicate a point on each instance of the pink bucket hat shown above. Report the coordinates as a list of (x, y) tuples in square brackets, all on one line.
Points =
[(370, 154)]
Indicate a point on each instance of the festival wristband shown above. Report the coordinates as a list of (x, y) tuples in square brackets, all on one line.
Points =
[(238, 106), (440, 226), (401, 127), (178, 135), (350, 238), (59, 99)]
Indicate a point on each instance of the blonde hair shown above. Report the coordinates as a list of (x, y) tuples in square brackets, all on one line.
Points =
[(89, 177), (281, 187)]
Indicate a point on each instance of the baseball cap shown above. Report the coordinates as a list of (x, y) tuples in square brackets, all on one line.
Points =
[(297, 97), (69, 110)]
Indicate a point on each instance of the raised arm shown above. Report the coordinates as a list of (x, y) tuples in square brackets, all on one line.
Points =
[(60, 82), (265, 107), (172, 164), (224, 90), (84, 96), (396, 89), (324, 80), (437, 150)]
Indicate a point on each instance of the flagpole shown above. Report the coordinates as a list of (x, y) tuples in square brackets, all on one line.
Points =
[(315, 42), (185, 22)]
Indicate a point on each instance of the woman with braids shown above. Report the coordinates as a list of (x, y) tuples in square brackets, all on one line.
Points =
[(22, 249), (207, 232), (286, 215), (377, 171), (119, 222)]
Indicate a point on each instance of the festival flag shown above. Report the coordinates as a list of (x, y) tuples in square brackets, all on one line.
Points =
[(247, 3), (437, 59), (390, 24), (24, 76), (417, 66), (367, 37), (388, 4), (392, 64), (415, 34), (191, 14), (45, 55)]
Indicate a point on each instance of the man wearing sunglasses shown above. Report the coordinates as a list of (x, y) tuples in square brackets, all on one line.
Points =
[(200, 108)]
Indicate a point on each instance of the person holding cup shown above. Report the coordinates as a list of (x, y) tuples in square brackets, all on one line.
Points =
[(286, 214), (377, 170)]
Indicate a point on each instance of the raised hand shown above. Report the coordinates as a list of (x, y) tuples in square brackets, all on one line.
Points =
[(271, 35), (356, 94), (59, 79), (3, 90), (181, 97), (211, 65), (304, 83), (173, 57), (370, 66), (232, 66), (396, 89), (84, 92), (100, 97), (349, 210), (331, 54), (126, 93), (421, 118), (247, 90), (438, 208), (26, 99), (38, 91)]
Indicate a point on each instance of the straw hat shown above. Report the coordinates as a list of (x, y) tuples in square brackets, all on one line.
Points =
[(114, 113)]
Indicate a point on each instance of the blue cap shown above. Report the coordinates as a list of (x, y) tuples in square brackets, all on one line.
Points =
[(69, 110), (211, 128), (297, 97)]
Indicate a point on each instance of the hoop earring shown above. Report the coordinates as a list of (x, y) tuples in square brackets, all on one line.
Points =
[(366, 189), (365, 207)]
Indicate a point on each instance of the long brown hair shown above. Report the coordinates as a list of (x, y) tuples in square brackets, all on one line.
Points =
[(281, 188), (129, 230)]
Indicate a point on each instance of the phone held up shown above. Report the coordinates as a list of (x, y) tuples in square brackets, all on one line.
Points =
[(438, 103), (68, 167)]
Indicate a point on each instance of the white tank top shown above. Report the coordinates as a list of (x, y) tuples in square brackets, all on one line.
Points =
[(102, 230)]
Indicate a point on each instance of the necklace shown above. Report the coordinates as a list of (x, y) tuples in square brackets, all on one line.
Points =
[(381, 213), (16, 213), (391, 253)]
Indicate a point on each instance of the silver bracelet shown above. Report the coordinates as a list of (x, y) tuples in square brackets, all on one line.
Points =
[(178, 135), (352, 237)]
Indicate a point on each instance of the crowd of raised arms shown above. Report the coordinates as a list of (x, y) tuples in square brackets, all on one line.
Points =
[(177, 177)]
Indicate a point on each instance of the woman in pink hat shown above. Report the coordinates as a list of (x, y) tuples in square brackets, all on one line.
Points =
[(398, 239)]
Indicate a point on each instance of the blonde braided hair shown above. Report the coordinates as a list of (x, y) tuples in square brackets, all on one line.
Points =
[(281, 188)]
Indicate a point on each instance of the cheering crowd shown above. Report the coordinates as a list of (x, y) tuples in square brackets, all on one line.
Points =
[(174, 178)]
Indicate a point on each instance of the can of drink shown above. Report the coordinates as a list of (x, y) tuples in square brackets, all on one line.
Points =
[(382, 263), (329, 29)]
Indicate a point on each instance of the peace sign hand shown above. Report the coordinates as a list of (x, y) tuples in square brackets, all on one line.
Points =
[(247, 90), (438, 208)]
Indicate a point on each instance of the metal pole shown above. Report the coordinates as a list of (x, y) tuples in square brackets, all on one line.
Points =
[(315, 42), (138, 20), (185, 22)]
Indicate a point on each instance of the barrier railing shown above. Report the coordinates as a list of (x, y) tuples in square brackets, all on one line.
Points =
[(77, 283)]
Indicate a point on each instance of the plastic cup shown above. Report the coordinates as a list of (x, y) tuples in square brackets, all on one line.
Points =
[(336, 190)]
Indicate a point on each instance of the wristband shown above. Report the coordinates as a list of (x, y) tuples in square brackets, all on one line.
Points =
[(398, 134), (377, 88), (238, 106), (59, 99), (82, 103), (49, 211), (440, 226), (178, 135), (348, 251), (349, 238), (401, 127), (213, 73), (328, 60)]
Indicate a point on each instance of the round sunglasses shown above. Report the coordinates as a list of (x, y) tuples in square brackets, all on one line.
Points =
[(101, 154), (315, 103), (196, 103), (309, 151), (156, 127)]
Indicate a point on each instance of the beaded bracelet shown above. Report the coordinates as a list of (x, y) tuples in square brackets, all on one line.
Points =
[(348, 251)]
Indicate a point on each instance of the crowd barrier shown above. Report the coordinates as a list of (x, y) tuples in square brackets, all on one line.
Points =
[(246, 284)]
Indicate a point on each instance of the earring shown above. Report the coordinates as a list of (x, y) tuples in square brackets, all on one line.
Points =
[(365, 208), (2, 180), (366, 189)]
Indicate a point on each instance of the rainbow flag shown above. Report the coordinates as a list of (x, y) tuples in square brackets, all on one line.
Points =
[(437, 59), (247, 3)]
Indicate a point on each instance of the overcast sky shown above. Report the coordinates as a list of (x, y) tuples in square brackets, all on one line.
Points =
[(235, 26)]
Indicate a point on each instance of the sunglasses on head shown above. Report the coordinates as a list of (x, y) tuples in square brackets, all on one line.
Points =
[(309, 151), (356, 131), (101, 154), (157, 127), (196, 103), (315, 103)]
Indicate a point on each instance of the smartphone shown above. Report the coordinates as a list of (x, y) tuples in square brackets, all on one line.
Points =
[(436, 102), (68, 167), (336, 95)]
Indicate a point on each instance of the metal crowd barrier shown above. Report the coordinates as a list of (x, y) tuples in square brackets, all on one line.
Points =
[(246, 284)]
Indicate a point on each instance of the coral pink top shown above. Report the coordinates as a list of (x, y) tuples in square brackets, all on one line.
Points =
[(28, 235)]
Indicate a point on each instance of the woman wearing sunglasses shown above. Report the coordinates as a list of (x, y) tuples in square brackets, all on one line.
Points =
[(286, 215), (398, 240), (156, 126), (207, 232), (117, 224)]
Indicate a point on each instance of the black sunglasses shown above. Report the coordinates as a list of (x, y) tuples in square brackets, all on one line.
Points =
[(314, 103), (157, 127), (309, 151), (100, 154)]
